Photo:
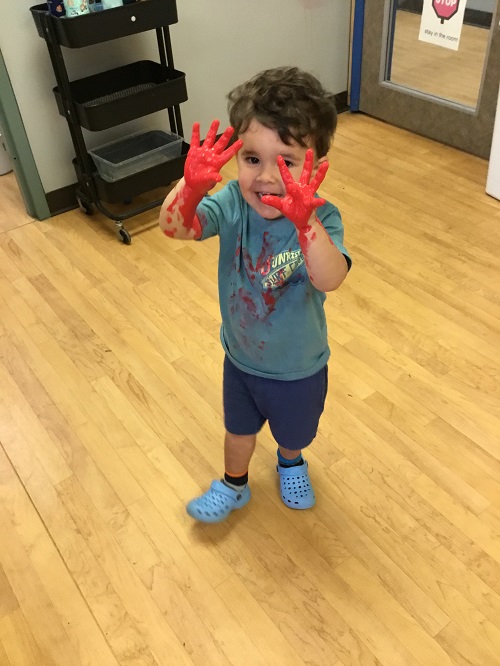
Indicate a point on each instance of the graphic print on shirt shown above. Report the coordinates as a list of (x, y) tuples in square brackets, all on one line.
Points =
[(281, 268), (270, 274)]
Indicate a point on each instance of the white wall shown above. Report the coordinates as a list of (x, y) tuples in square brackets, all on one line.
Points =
[(218, 43), (221, 43)]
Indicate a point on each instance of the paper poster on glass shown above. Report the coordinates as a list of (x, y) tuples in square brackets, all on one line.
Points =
[(442, 22)]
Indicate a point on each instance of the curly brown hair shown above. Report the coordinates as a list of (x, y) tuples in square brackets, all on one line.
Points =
[(291, 102)]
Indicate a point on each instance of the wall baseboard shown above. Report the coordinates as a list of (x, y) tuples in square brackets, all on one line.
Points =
[(341, 102), (62, 200)]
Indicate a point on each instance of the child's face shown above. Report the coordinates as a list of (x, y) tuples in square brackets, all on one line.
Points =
[(258, 172)]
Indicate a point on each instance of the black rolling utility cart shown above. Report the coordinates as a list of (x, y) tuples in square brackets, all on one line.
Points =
[(121, 170)]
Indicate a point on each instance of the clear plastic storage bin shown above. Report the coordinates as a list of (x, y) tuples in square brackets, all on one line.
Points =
[(134, 153)]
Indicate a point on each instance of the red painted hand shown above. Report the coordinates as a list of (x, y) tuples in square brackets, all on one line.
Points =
[(299, 202), (203, 163)]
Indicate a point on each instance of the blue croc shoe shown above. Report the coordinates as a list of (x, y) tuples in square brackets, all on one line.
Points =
[(296, 489), (217, 503)]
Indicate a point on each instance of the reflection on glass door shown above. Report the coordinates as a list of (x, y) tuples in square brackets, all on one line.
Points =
[(448, 74)]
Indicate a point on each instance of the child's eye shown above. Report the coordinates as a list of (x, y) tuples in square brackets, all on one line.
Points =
[(288, 163), (252, 160)]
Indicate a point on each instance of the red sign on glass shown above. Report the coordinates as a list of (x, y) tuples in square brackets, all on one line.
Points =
[(445, 9)]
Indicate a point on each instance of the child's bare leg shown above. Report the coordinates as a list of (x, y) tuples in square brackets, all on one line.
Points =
[(238, 451), (288, 454)]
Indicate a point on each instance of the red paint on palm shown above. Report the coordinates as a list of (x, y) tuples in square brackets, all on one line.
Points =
[(203, 162), (201, 173), (299, 202)]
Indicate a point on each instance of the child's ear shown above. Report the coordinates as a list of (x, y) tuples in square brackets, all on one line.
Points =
[(317, 163)]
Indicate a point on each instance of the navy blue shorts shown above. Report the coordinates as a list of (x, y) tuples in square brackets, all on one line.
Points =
[(293, 408)]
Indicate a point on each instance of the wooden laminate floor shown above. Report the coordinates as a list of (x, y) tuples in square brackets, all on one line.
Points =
[(110, 420), (12, 210)]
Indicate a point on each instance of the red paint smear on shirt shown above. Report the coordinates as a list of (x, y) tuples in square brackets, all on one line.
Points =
[(248, 300), (269, 300), (263, 263)]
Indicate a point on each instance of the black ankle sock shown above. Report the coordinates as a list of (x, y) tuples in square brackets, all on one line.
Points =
[(236, 480)]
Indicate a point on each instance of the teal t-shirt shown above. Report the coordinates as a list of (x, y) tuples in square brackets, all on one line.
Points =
[(273, 320)]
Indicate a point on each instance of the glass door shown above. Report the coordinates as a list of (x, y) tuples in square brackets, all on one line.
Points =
[(433, 67)]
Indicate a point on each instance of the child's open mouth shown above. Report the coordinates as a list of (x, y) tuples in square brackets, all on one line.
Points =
[(272, 194)]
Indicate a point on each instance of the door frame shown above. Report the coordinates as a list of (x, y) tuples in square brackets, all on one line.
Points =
[(18, 147), (465, 128), (358, 13)]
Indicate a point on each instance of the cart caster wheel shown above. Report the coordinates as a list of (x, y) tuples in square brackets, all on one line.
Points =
[(124, 236), (85, 206)]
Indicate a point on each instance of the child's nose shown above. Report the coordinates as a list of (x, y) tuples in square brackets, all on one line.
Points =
[(270, 173)]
